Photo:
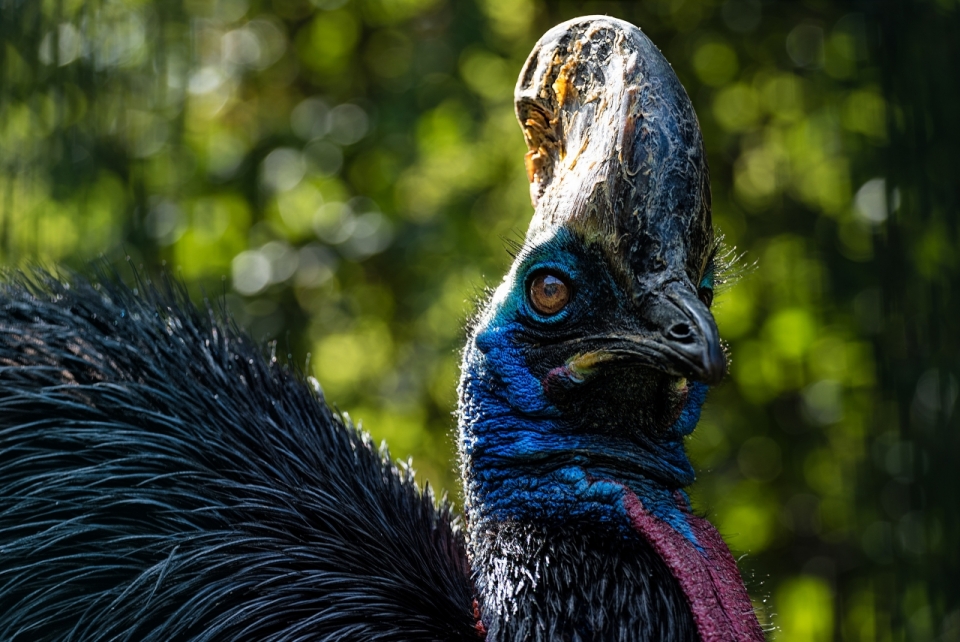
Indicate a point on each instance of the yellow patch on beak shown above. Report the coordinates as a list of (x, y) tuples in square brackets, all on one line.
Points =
[(581, 365)]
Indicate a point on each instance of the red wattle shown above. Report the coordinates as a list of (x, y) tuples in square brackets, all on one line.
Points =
[(709, 578)]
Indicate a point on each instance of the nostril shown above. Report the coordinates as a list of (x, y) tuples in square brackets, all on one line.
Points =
[(680, 332)]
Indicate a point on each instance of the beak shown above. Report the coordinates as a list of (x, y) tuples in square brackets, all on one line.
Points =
[(679, 337), (686, 334)]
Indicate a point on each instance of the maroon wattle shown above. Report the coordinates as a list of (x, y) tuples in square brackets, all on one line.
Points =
[(709, 578)]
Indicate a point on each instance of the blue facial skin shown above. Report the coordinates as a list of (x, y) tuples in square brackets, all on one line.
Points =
[(527, 459)]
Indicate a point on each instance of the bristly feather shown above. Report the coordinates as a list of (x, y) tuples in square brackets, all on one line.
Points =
[(729, 264), (514, 244), (161, 480)]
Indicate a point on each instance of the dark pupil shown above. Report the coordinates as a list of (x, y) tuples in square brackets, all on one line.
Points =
[(553, 287)]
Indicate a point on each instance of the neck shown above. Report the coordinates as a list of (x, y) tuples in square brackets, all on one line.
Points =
[(560, 518)]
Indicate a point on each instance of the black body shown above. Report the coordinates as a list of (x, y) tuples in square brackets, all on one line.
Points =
[(161, 480)]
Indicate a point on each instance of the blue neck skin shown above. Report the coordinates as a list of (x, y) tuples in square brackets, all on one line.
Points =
[(523, 460)]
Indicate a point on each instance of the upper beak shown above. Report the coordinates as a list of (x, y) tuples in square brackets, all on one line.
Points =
[(687, 334), (679, 337)]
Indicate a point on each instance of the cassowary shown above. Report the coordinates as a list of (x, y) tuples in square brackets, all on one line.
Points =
[(161, 480)]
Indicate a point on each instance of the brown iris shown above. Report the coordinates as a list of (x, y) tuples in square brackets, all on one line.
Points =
[(548, 294)]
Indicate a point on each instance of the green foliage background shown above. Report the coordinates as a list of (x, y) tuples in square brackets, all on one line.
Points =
[(345, 172)]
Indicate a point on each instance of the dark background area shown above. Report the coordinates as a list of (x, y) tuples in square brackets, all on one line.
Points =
[(345, 174)]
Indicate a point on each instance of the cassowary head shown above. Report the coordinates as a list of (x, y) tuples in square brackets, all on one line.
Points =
[(590, 362)]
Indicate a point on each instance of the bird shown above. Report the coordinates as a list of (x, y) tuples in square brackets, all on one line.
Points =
[(162, 477)]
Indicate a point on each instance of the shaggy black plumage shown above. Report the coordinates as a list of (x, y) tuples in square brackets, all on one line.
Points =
[(160, 479), (577, 583)]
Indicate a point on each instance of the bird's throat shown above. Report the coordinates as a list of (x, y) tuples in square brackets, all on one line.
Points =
[(552, 458)]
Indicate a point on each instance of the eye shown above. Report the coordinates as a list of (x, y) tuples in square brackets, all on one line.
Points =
[(548, 293)]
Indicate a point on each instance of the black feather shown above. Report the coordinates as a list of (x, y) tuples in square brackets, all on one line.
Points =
[(576, 584), (161, 480)]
